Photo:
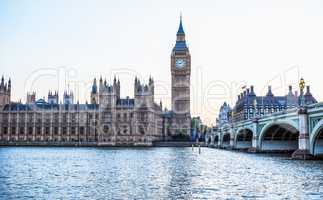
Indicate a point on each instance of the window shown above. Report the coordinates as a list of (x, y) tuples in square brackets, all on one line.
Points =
[(21, 130), (73, 117), (38, 130), (5, 130), (47, 120), (141, 130), (64, 117), (56, 117), (64, 130), (106, 129), (125, 129), (47, 130), (81, 130), (21, 117), (107, 117), (73, 130), (13, 130)]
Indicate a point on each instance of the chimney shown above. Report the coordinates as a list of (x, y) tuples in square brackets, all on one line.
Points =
[(290, 90), (308, 92)]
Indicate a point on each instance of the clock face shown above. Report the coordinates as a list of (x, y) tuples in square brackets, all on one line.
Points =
[(179, 63)]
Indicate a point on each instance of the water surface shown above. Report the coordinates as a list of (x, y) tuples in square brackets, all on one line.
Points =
[(154, 173)]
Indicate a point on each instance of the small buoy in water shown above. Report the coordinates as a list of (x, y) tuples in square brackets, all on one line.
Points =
[(199, 149), (192, 147)]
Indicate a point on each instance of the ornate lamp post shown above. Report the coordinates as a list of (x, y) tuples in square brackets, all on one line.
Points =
[(301, 87), (303, 151), (255, 113)]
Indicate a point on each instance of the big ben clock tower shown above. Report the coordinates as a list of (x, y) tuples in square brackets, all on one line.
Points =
[(181, 72)]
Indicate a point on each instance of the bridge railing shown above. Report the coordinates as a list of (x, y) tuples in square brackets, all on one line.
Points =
[(262, 117), (227, 125)]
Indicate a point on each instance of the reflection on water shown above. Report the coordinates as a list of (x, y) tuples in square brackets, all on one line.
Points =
[(154, 173)]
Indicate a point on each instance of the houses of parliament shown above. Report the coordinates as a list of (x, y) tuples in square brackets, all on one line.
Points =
[(108, 119)]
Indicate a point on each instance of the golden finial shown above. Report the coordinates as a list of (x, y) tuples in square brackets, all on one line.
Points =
[(302, 84)]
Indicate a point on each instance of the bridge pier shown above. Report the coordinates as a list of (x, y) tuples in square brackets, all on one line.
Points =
[(220, 140), (255, 146), (232, 145), (303, 151), (255, 141)]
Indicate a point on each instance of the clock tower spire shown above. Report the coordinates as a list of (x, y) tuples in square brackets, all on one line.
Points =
[(181, 72), (180, 33)]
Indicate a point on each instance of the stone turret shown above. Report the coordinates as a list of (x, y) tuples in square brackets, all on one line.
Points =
[(116, 84), (269, 93), (68, 97), (94, 93), (225, 113), (52, 97), (144, 93), (109, 94), (31, 98), (5, 92)]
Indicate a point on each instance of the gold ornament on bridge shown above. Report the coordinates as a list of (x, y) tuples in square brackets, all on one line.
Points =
[(302, 84)]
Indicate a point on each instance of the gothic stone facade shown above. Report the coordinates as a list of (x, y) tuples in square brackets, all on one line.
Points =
[(107, 120)]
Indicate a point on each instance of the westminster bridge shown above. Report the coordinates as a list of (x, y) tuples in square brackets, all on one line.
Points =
[(298, 130)]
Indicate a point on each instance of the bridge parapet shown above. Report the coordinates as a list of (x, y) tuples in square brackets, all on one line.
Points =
[(305, 122)]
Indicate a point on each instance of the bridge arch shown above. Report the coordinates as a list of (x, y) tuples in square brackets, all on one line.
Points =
[(216, 139), (316, 139), (225, 138), (243, 138), (279, 136)]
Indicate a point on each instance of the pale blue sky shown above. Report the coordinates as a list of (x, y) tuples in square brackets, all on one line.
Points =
[(232, 43)]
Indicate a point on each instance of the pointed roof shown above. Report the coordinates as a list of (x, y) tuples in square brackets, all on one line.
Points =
[(180, 40), (94, 87), (180, 28), (2, 81), (269, 93)]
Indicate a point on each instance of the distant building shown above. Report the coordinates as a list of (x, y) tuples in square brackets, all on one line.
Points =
[(31, 98), (5, 92), (250, 105), (196, 123), (225, 114)]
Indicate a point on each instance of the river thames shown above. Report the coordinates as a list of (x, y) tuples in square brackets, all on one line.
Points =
[(154, 173)]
